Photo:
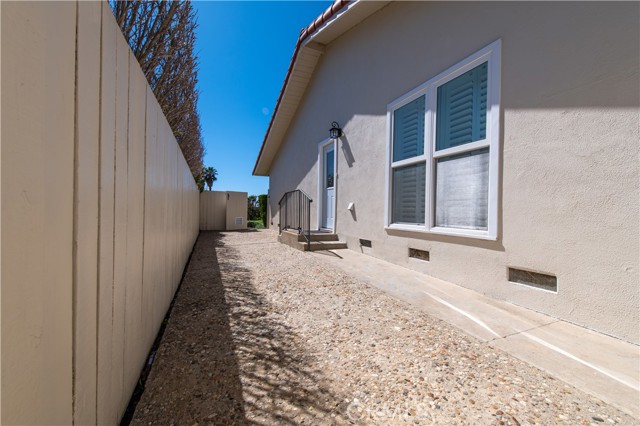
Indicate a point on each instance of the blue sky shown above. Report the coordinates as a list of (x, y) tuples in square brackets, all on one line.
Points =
[(244, 49)]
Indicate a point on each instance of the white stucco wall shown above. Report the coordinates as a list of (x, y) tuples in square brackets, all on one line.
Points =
[(569, 175)]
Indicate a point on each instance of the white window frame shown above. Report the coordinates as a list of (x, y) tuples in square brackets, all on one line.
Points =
[(491, 55)]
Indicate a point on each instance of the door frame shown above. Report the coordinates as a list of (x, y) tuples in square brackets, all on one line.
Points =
[(321, 168)]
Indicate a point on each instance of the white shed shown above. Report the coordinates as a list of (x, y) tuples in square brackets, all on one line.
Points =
[(223, 210)]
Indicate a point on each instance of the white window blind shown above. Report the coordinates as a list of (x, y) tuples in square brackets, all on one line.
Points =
[(409, 194), (462, 184)]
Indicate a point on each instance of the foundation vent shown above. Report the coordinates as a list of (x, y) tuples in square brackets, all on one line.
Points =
[(365, 243), (533, 279), (238, 220), (419, 254)]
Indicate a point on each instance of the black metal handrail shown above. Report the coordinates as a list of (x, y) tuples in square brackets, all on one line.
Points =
[(295, 213)]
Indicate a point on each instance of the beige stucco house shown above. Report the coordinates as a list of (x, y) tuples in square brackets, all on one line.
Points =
[(492, 145)]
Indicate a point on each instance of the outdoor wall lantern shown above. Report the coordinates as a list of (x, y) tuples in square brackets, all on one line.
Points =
[(335, 131)]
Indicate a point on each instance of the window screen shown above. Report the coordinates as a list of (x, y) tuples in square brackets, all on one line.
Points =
[(462, 188), (409, 194)]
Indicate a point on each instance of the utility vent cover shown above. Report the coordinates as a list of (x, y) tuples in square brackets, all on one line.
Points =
[(419, 254), (239, 220), (533, 279), (365, 243)]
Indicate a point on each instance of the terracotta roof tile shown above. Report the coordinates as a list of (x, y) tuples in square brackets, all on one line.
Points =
[(304, 33)]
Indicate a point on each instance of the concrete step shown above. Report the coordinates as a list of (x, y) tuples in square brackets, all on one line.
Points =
[(321, 245), (319, 240), (320, 236)]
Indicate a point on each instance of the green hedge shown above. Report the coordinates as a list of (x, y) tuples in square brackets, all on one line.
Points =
[(257, 224), (262, 203)]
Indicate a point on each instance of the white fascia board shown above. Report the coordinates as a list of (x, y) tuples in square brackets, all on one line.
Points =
[(351, 15), (310, 51)]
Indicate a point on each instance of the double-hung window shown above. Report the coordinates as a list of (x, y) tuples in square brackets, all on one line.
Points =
[(443, 145), (409, 163)]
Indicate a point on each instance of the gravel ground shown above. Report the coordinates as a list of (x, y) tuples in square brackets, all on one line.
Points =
[(264, 334)]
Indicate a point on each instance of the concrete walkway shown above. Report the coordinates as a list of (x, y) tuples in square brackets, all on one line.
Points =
[(600, 365)]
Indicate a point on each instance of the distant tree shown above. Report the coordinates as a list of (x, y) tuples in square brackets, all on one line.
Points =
[(253, 210), (209, 175), (162, 36), (200, 181), (262, 203)]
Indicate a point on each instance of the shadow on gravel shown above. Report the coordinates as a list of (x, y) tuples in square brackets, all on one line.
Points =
[(279, 383), (227, 359)]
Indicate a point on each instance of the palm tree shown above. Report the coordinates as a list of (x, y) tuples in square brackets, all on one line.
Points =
[(210, 175)]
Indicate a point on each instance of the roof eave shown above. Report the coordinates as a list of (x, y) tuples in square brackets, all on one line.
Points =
[(335, 21)]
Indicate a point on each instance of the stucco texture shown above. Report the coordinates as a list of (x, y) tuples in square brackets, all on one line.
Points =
[(568, 195)]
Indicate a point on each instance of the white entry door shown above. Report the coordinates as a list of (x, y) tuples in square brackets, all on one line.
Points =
[(329, 199)]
